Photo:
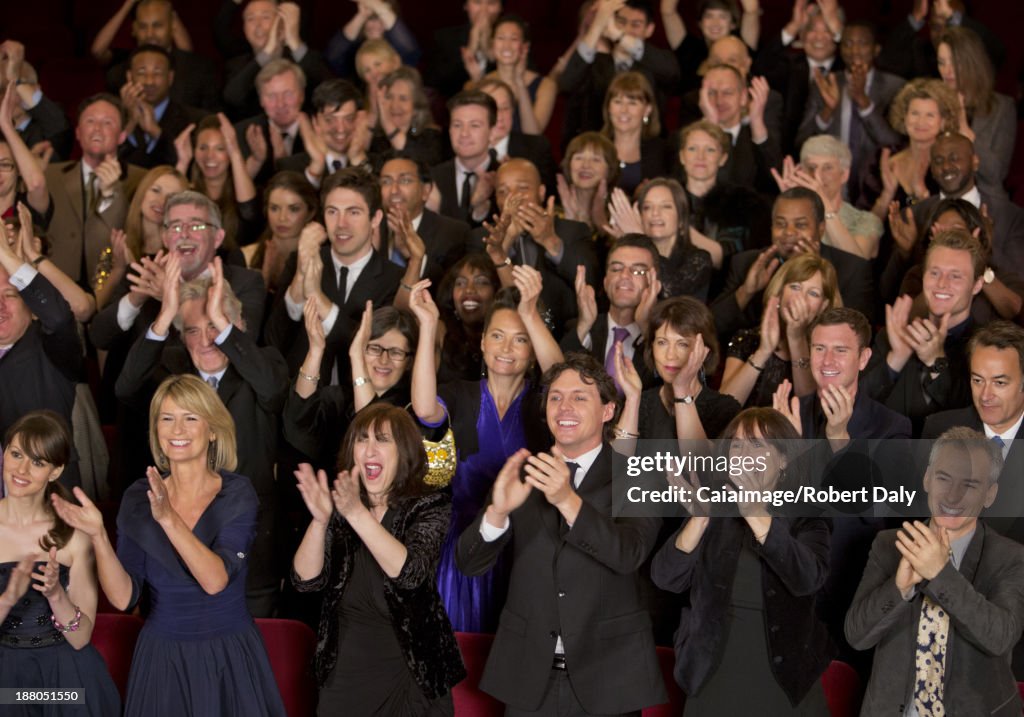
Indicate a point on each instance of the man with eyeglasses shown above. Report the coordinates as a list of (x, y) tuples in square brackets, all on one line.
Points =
[(630, 283), (422, 241)]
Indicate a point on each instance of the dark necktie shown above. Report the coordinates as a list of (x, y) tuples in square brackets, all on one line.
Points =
[(620, 334), (212, 380), (467, 193), (342, 283), (335, 165), (563, 527)]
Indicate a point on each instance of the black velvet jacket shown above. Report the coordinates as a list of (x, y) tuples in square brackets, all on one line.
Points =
[(417, 613)]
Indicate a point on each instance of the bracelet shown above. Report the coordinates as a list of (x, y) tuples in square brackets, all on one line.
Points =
[(71, 626), (622, 433), (359, 381), (307, 377), (405, 286), (38, 260), (507, 262), (802, 362), (831, 215), (757, 368)]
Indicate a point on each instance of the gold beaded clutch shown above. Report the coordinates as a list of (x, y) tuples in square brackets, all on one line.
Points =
[(441, 460)]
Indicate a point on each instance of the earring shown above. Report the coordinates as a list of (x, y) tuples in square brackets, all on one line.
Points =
[(647, 119)]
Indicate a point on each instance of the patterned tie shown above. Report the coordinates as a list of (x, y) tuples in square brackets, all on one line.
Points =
[(930, 660), (212, 380), (620, 334)]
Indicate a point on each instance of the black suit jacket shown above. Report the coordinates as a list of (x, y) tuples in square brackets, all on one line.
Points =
[(750, 165), (537, 149), (983, 600), (176, 118), (598, 338), (270, 165), (195, 80), (446, 240), (855, 285), (48, 123), (581, 584), (378, 282), (240, 96), (444, 178), (559, 279)]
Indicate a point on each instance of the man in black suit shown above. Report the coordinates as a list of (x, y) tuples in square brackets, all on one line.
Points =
[(422, 241), (854, 106), (740, 112), (942, 603), (574, 637), (338, 135), (250, 380), (798, 224), (617, 40), (273, 33), (268, 138), (508, 144), (154, 119), (918, 365), (533, 236), (37, 118), (629, 276), (464, 185), (337, 267), (446, 69), (196, 84)]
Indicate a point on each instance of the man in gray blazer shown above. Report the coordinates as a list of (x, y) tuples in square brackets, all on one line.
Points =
[(943, 603), (574, 637)]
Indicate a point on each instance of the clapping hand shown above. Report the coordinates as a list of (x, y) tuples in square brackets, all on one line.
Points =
[(315, 493), (47, 578)]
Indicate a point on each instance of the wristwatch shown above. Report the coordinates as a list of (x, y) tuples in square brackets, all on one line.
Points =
[(684, 399), (941, 365), (359, 381)]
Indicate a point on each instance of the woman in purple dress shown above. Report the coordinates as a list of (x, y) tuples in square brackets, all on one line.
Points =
[(491, 419)]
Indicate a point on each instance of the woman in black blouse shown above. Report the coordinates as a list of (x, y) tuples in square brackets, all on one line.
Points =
[(631, 121)]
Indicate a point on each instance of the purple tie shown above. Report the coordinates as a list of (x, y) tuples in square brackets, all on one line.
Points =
[(620, 334), (3, 352)]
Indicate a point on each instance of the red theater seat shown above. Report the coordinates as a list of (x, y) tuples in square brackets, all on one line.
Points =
[(114, 635), (469, 700), (290, 645), (842, 689), (676, 697)]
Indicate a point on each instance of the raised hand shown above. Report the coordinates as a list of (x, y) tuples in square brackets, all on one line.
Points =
[(315, 493), (550, 475), (314, 325), (159, 500), (890, 182), (760, 272), (925, 547), (362, 335), (648, 298), (771, 329), (422, 305), (903, 228), (586, 300), (788, 407), (927, 339), (797, 314), (687, 380), (108, 173), (257, 143), (528, 281), (569, 201), (215, 296), (837, 404), (345, 493), (828, 88), (18, 582), (897, 316), (85, 517), (625, 215), (183, 148), (47, 578), (786, 180), (629, 378), (509, 490)]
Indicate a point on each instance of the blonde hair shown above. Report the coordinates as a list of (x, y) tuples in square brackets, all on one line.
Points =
[(196, 396), (924, 88), (379, 47), (802, 268)]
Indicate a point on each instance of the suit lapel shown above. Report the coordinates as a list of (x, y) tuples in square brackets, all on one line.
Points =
[(367, 277), (73, 187)]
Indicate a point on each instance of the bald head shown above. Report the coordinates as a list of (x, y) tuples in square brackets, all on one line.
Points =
[(518, 176), (153, 20), (732, 51), (953, 164)]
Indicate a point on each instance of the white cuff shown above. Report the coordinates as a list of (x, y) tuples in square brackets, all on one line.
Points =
[(126, 313), (489, 533)]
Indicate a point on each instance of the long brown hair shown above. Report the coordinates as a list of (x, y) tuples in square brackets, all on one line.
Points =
[(133, 219), (44, 436)]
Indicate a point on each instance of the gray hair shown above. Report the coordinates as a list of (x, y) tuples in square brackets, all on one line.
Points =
[(825, 145), (964, 437), (198, 289), (192, 198), (278, 67)]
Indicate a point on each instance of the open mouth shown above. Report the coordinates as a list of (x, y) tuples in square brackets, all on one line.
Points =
[(186, 249), (180, 442), (469, 305), (372, 471), (20, 482), (567, 423), (950, 511), (829, 373), (942, 296)]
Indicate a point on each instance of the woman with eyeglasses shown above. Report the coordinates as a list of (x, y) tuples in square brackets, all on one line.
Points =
[(380, 354), (491, 419)]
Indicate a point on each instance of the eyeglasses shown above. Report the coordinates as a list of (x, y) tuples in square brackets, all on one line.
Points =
[(193, 227), (403, 181), (635, 269), (394, 353), (7, 166)]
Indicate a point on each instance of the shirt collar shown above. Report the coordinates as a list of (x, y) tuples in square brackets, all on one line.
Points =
[(463, 169), (501, 147), (219, 375), (356, 266), (633, 328), (584, 462), (160, 108), (1007, 435)]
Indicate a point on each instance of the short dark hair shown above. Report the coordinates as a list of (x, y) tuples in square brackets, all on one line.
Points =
[(387, 318), (644, 6), (844, 315), (422, 168), (807, 195), (591, 372), (412, 458), (475, 97), (475, 260), (104, 97), (728, 5), (332, 94), (295, 183), (512, 18), (356, 179), (640, 241), (688, 316), (1001, 335), (863, 25), (152, 49)]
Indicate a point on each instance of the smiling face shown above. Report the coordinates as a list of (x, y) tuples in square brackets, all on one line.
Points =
[(623, 282), (183, 436), (659, 214), (281, 98), (858, 48), (701, 156), (670, 350), (627, 113), (257, 20), (588, 167), (212, 154), (715, 24), (819, 43), (287, 213), (153, 72), (375, 455), (401, 186), (829, 172), (792, 221), (349, 224), (504, 118), (836, 359), (156, 197), (99, 131), (953, 164), (472, 294), (759, 451), (506, 345), (335, 126), (811, 289), (633, 22), (517, 177), (924, 120), (997, 386), (196, 248), (25, 475), (575, 413), (15, 316), (947, 68), (948, 283), (470, 133), (153, 25), (958, 486), (199, 333), (373, 67), (398, 103), (507, 43), (727, 95), (385, 371)]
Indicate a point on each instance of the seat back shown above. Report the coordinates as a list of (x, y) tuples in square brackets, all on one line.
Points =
[(290, 646), (676, 696), (842, 689), (114, 636), (469, 700)]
